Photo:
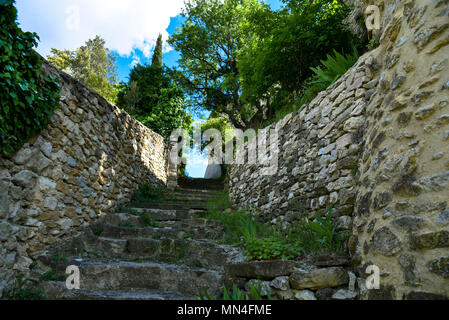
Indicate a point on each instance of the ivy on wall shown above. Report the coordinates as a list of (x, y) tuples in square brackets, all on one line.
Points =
[(27, 98)]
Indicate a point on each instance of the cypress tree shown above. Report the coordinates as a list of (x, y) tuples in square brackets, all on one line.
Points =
[(157, 55)]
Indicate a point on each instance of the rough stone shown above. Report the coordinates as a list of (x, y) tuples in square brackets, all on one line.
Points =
[(305, 295), (443, 217), (409, 222), (319, 278), (344, 294), (440, 266), (407, 262), (430, 240), (268, 270), (24, 178), (280, 283), (385, 242)]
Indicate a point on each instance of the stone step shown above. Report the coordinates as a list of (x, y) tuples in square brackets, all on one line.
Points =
[(177, 231), (190, 252), (196, 183), (166, 214), (181, 220), (172, 205), (130, 276), (58, 290), (190, 194)]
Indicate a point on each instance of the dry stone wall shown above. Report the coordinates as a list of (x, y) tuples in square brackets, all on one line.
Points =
[(88, 161), (318, 154), (375, 148), (401, 217)]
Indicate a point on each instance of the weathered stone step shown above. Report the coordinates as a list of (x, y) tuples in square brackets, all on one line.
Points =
[(177, 231), (189, 194), (179, 219), (126, 276), (58, 290), (167, 214), (196, 183), (190, 252), (172, 205)]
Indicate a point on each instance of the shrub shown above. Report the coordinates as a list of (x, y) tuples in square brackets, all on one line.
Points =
[(147, 193), (27, 99)]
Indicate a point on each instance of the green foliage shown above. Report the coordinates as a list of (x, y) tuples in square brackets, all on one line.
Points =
[(305, 31), (320, 235), (27, 98), (262, 241), (127, 225), (273, 248), (52, 276), (152, 97), (157, 55), (334, 67), (147, 193), (98, 230), (59, 257), (210, 41), (236, 293), (92, 64), (331, 70), (23, 290), (373, 44), (242, 59)]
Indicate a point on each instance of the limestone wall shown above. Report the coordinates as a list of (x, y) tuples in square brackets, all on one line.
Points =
[(89, 160), (318, 153), (401, 215), (377, 150)]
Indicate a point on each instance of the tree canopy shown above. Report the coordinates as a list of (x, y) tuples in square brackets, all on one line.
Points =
[(92, 64), (240, 58), (153, 98)]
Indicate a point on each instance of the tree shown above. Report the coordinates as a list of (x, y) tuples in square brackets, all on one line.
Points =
[(92, 64), (153, 98), (306, 31), (210, 41), (157, 55)]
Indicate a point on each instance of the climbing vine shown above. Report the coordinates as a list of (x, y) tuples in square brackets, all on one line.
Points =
[(27, 98)]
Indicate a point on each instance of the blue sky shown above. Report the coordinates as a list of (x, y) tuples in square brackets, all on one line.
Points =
[(130, 28)]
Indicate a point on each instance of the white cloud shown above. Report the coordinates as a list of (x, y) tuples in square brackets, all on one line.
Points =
[(126, 25)]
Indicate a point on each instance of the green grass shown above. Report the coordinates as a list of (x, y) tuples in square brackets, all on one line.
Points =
[(52, 276), (262, 241), (127, 225)]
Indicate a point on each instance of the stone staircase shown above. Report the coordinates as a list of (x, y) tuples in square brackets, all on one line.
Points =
[(154, 250)]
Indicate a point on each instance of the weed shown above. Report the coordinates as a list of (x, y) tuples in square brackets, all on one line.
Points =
[(98, 230), (59, 257), (52, 276), (127, 225), (133, 212), (236, 293), (147, 193), (373, 44), (33, 265), (23, 290)]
